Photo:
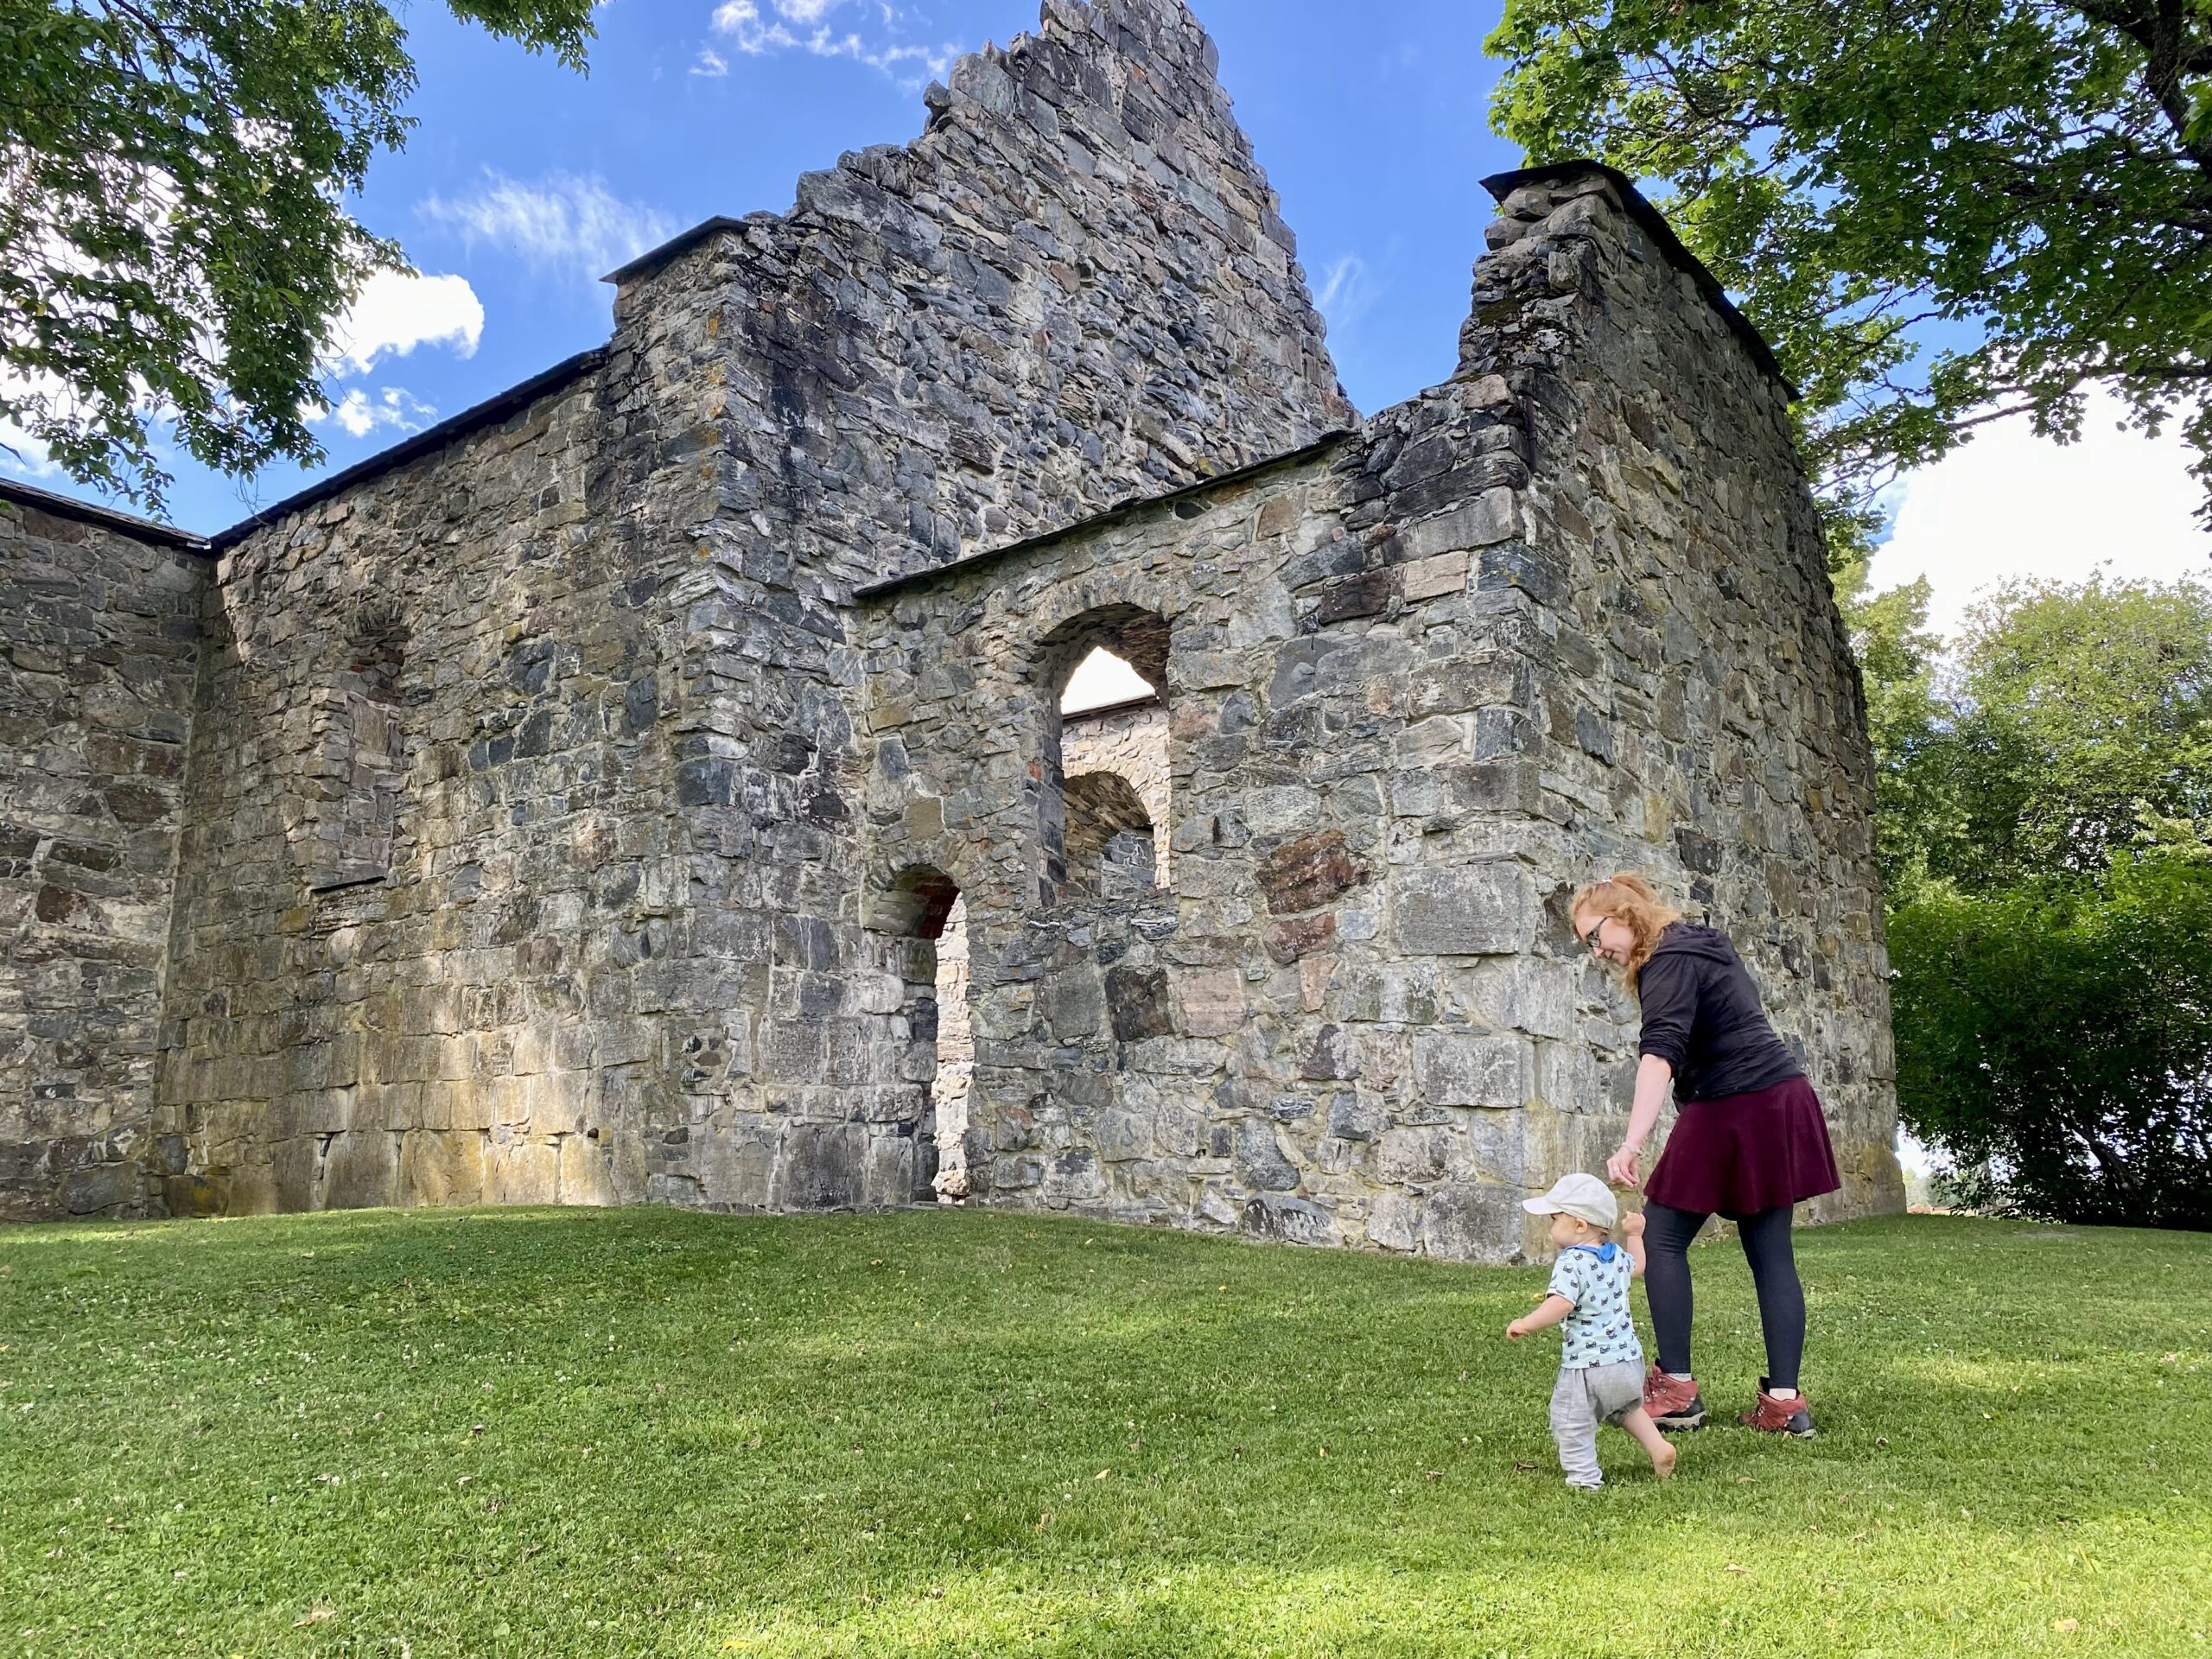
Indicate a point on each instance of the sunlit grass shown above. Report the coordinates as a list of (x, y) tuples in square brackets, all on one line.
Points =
[(651, 1431)]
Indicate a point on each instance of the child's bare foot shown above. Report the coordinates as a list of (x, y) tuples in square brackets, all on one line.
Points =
[(1638, 1422)]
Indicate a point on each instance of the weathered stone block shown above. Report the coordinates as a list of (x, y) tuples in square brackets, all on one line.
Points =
[(1487, 520), (1487, 909), (820, 1167), (1074, 1002), (1260, 1160), (361, 1170), (1288, 1221), (440, 1168), (1286, 942), (98, 1187), (1430, 578), (1461, 1069), (1420, 1155), (1139, 999), (520, 1171), (1471, 1221), (1308, 872), (1394, 1223), (1213, 1004)]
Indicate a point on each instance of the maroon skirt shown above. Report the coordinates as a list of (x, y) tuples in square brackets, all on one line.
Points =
[(1743, 1154)]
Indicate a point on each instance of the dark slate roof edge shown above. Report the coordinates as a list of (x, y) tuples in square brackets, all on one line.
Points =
[(653, 259), (492, 410), (91, 512), (1121, 509), (1502, 185)]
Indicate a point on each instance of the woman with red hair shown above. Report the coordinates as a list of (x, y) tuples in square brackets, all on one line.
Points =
[(1749, 1141)]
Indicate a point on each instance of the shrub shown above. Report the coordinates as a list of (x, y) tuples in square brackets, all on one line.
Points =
[(2055, 1041)]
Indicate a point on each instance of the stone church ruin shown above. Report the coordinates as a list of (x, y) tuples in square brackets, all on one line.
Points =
[(652, 785)]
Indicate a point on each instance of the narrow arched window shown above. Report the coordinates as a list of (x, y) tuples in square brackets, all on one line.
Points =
[(1105, 809)]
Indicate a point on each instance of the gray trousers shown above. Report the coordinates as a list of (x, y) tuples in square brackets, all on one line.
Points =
[(1583, 1398)]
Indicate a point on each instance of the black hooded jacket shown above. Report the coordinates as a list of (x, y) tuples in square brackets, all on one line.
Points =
[(1701, 1015)]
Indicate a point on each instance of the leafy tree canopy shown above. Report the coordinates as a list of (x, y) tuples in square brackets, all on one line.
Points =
[(174, 242), (1939, 214), (2070, 723)]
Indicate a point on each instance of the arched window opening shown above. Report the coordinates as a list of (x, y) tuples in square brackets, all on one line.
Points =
[(1103, 804), (1109, 844)]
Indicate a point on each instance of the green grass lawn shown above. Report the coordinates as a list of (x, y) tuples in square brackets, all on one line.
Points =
[(650, 1431)]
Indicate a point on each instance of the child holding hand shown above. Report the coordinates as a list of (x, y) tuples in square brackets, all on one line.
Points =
[(1600, 1362)]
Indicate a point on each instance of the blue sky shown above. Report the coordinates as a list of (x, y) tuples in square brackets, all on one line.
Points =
[(524, 183)]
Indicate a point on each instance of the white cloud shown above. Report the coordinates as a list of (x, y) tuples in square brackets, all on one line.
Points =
[(2012, 505), (564, 223), (20, 452), (394, 407), (394, 312), (710, 64), (1347, 293), (802, 25)]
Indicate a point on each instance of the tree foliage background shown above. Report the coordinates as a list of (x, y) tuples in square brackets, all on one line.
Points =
[(2044, 805), (174, 243)]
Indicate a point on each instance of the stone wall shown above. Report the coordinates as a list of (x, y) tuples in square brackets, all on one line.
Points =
[(1694, 708), (523, 860), (95, 691), (464, 653), (1071, 288), (1563, 615)]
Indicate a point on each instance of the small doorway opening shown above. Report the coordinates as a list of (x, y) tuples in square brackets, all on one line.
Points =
[(926, 916)]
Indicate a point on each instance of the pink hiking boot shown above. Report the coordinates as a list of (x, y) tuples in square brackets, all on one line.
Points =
[(1672, 1401)]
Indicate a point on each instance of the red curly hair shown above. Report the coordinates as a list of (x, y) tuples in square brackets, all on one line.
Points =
[(1630, 901)]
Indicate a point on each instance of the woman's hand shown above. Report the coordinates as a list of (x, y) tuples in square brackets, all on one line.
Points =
[(1620, 1168)]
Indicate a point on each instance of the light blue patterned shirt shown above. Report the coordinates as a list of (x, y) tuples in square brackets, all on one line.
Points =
[(1600, 1331)]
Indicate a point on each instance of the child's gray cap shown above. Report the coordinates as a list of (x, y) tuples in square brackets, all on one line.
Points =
[(1579, 1195)]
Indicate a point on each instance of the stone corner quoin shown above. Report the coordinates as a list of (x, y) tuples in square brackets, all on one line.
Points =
[(586, 801)]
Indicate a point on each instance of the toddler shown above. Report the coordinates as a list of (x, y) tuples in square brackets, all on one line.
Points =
[(1600, 1362)]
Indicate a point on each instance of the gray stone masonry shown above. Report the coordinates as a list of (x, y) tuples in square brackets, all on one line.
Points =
[(96, 664), (1130, 741), (524, 858), (1563, 615), (571, 806)]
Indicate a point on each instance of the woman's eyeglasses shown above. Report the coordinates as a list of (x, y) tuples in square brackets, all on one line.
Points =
[(1591, 938)]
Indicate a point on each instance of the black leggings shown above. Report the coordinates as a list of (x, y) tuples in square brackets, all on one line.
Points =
[(1666, 1236)]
